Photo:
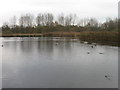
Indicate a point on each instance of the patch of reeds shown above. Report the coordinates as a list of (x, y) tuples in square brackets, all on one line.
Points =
[(110, 38)]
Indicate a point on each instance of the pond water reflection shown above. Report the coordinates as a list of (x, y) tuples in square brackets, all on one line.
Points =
[(32, 62)]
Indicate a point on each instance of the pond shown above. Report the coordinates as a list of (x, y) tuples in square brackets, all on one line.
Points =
[(36, 62)]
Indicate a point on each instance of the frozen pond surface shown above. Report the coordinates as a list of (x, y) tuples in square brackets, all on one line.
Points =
[(32, 62)]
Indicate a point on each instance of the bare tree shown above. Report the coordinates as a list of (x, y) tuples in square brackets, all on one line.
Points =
[(80, 23), (74, 17), (83, 22), (29, 20), (61, 19), (93, 22), (48, 17), (13, 21), (26, 20), (40, 19), (21, 21), (68, 20)]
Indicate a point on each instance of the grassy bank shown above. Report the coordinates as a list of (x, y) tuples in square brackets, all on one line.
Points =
[(49, 34), (21, 35), (108, 38)]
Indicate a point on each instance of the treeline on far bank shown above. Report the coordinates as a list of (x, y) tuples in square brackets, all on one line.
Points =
[(47, 22), (58, 28)]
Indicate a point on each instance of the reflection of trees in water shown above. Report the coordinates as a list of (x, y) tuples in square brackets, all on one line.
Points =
[(52, 47), (45, 46), (36, 45), (45, 49), (26, 46)]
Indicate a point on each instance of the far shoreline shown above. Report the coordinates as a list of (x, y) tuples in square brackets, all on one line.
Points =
[(102, 37)]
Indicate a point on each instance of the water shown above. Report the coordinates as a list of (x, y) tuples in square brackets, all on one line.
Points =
[(57, 63)]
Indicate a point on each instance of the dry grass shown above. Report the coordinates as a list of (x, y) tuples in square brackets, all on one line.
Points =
[(111, 38), (21, 35), (62, 34)]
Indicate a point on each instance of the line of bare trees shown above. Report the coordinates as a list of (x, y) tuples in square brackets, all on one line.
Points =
[(48, 19)]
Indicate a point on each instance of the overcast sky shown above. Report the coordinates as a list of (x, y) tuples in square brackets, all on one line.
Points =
[(99, 9)]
